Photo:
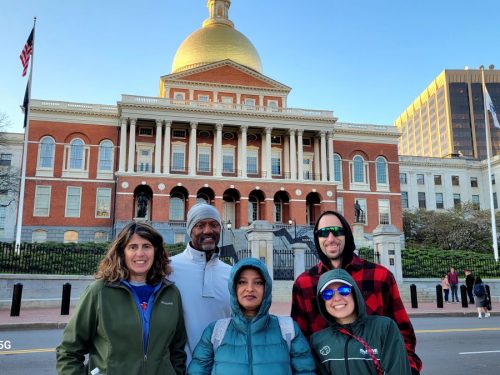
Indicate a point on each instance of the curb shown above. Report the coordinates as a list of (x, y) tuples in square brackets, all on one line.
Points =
[(31, 325)]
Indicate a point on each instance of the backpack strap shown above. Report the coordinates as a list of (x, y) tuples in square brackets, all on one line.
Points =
[(219, 331), (287, 329)]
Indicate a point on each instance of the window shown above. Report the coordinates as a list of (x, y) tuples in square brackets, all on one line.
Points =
[(179, 133), (404, 200), (3, 215), (71, 236), (106, 156), (100, 237), (420, 179), (76, 154), (337, 168), (358, 169), (39, 236), (252, 162), (146, 131), (249, 102), (473, 182), (340, 205), (144, 157), (178, 157), (306, 142), (272, 105), (456, 200), (46, 150), (493, 179), (204, 158), (276, 163), (5, 160), (103, 203), (179, 96), (228, 160), (495, 201), (176, 211), (203, 98), (437, 179), (307, 168), (278, 210), (421, 200), (364, 212), (384, 211), (253, 209), (475, 202), (276, 139), (455, 181), (227, 99), (42, 201), (403, 178), (381, 164), (73, 200), (439, 201)]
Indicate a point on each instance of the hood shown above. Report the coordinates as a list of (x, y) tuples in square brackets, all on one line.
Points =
[(266, 300), (349, 241), (342, 275)]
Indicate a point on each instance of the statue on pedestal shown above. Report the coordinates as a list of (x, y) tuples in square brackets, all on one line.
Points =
[(357, 212), (142, 205)]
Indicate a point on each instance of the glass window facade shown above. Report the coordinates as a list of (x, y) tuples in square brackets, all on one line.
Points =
[(421, 200), (73, 201), (439, 201), (404, 200), (381, 164), (420, 179), (337, 168)]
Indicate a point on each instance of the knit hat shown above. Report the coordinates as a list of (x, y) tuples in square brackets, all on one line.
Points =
[(199, 212)]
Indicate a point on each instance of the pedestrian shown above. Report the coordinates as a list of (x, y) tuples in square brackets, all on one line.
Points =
[(453, 280), (252, 341), (445, 284), (354, 342), (129, 321), (469, 283), (481, 298), (335, 247), (200, 275)]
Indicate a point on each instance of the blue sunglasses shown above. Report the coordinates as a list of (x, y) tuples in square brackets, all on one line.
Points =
[(328, 294)]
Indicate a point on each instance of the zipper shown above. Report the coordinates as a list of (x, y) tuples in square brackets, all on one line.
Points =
[(346, 355), (250, 356)]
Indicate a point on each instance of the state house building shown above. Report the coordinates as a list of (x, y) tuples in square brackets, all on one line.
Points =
[(219, 131)]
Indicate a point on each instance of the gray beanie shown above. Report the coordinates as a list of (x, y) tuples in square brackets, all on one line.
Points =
[(199, 212)]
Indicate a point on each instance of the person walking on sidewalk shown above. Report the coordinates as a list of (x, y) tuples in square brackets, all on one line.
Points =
[(469, 283), (445, 284), (453, 280), (481, 298)]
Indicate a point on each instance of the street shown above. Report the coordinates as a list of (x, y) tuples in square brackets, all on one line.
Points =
[(447, 345)]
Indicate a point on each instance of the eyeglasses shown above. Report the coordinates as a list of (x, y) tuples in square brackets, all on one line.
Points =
[(325, 232), (328, 294)]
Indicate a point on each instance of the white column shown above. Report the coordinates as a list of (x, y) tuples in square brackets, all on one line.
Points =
[(159, 124), (268, 153), (166, 148), (323, 156), (131, 146), (293, 156), (192, 149), (123, 145), (286, 158), (218, 151), (261, 103), (243, 151), (330, 156), (316, 159), (300, 155)]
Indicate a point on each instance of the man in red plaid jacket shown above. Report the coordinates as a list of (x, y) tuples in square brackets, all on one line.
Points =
[(335, 244)]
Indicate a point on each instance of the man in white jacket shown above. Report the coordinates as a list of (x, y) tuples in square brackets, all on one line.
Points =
[(200, 275)]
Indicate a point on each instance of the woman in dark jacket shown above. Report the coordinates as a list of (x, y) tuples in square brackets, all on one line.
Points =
[(480, 298), (354, 342)]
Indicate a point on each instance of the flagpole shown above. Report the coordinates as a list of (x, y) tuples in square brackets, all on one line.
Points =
[(25, 150), (488, 152)]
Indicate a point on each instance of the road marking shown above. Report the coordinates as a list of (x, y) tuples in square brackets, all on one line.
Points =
[(455, 330), (486, 351), (27, 351)]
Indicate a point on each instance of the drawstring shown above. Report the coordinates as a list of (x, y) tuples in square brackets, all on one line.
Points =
[(369, 350)]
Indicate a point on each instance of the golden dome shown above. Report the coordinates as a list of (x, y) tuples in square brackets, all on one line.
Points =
[(217, 40)]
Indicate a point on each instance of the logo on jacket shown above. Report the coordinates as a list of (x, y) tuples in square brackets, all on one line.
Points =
[(365, 352), (325, 350), (168, 303)]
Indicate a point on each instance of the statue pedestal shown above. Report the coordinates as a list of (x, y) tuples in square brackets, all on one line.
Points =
[(140, 219)]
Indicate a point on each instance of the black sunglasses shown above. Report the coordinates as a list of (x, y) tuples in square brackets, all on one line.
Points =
[(325, 232)]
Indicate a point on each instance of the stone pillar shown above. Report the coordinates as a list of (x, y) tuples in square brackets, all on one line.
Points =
[(330, 157), (192, 149), (323, 156), (317, 162), (218, 151), (166, 148), (243, 151), (358, 232), (123, 145), (293, 156), (260, 242), (268, 153), (159, 124), (131, 146), (299, 261), (300, 155), (387, 247)]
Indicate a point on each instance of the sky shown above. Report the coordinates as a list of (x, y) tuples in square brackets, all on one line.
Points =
[(365, 60)]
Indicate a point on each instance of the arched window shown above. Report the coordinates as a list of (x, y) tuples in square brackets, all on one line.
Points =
[(106, 156), (176, 207), (381, 164), (358, 169), (253, 208), (278, 210), (76, 154), (337, 168), (46, 153)]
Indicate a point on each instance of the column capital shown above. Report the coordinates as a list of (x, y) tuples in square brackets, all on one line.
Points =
[(194, 125), (168, 123), (159, 122), (322, 133), (124, 121), (330, 134), (243, 128), (219, 126), (300, 132), (133, 121), (268, 130), (291, 132)]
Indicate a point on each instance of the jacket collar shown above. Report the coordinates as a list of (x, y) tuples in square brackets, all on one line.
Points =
[(355, 264), (198, 256)]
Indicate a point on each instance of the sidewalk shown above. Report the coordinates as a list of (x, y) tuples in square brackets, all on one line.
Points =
[(41, 318)]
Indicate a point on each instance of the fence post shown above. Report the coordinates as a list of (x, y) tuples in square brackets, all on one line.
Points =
[(17, 294), (413, 294), (439, 296), (66, 297), (463, 295)]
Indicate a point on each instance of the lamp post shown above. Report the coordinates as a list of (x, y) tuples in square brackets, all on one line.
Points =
[(290, 222)]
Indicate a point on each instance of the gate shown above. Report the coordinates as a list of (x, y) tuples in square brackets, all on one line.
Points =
[(283, 264)]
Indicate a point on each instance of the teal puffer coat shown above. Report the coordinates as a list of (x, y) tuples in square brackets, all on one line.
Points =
[(252, 345)]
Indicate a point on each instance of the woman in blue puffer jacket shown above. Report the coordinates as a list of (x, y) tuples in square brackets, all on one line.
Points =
[(253, 342)]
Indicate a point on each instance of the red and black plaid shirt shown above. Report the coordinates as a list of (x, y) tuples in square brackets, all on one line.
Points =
[(379, 289)]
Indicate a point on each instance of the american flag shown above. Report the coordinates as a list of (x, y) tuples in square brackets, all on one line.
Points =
[(26, 52)]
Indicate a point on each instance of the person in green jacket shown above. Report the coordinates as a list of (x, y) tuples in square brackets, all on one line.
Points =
[(130, 320), (354, 342)]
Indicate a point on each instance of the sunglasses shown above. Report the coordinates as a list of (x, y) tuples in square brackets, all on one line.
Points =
[(328, 294), (325, 232)]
